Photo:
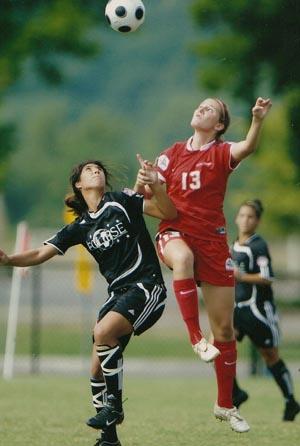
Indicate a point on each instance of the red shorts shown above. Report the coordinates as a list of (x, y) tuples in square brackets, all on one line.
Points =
[(213, 262)]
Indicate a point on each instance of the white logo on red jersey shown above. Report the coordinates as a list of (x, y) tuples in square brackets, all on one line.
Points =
[(204, 164), (229, 264), (163, 162)]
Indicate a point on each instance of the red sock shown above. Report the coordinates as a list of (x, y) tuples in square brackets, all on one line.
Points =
[(187, 299), (225, 366)]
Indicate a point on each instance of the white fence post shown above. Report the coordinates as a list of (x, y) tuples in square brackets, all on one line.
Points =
[(8, 364)]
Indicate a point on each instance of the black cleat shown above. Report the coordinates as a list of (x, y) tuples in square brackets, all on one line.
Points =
[(292, 408), (239, 398), (108, 416), (101, 442)]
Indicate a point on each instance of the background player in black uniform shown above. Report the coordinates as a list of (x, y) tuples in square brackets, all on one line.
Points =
[(255, 311), (111, 227)]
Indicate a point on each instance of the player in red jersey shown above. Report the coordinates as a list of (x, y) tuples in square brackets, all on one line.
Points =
[(194, 245)]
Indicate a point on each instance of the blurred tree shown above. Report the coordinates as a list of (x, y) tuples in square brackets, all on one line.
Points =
[(271, 176), (41, 31), (251, 44), (52, 142)]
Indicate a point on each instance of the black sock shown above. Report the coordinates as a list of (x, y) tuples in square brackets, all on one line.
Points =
[(236, 389), (99, 393), (283, 378), (99, 399), (111, 360)]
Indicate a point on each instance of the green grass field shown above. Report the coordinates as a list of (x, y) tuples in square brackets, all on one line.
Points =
[(52, 411)]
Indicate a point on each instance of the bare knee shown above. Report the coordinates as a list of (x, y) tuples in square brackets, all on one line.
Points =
[(103, 336), (224, 333), (183, 263)]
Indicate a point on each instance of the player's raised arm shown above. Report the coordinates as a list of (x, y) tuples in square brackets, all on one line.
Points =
[(160, 205), (30, 257), (242, 149)]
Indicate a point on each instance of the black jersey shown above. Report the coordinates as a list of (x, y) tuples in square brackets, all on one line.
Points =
[(253, 257), (117, 237)]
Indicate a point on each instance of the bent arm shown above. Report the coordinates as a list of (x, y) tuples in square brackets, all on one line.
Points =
[(160, 205), (242, 149), (253, 279), (30, 257)]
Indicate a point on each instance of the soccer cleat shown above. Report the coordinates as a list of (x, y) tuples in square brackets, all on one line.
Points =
[(237, 423), (101, 442), (292, 408), (239, 398), (108, 415), (205, 350)]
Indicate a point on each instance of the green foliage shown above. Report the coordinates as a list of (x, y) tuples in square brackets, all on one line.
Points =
[(272, 176), (293, 107), (41, 30), (247, 36), (51, 144), (7, 144)]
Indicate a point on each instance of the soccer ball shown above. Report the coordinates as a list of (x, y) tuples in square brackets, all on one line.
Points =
[(125, 15)]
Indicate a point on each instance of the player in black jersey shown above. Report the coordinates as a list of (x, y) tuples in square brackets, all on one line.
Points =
[(111, 227), (255, 310)]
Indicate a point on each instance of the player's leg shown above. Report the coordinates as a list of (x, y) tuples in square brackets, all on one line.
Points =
[(107, 334), (266, 337), (178, 256), (108, 437), (283, 378), (219, 302), (239, 396), (97, 381)]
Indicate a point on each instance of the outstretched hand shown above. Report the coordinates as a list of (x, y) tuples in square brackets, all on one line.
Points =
[(147, 173), (3, 258), (261, 108)]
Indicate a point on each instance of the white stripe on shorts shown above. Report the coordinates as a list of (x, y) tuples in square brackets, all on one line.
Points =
[(151, 300), (273, 322)]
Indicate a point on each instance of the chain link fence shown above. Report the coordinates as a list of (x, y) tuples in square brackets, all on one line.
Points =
[(55, 325)]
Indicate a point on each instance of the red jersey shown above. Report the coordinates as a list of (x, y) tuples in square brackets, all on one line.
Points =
[(196, 183)]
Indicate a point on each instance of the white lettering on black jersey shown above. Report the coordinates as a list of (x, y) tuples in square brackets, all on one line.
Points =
[(253, 257), (117, 237)]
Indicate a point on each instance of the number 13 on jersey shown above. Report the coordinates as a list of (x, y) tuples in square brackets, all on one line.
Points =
[(190, 180)]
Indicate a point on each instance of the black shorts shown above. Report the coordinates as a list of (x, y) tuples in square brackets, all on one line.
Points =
[(260, 324), (141, 304)]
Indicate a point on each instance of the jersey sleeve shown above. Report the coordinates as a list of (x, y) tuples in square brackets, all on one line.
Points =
[(163, 164), (229, 162), (262, 261), (133, 202), (65, 238)]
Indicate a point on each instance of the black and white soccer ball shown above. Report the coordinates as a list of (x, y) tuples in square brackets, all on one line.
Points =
[(125, 15)]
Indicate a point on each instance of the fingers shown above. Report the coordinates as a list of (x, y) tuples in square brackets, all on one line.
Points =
[(143, 163), (143, 178), (261, 107), (263, 102), (140, 159)]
